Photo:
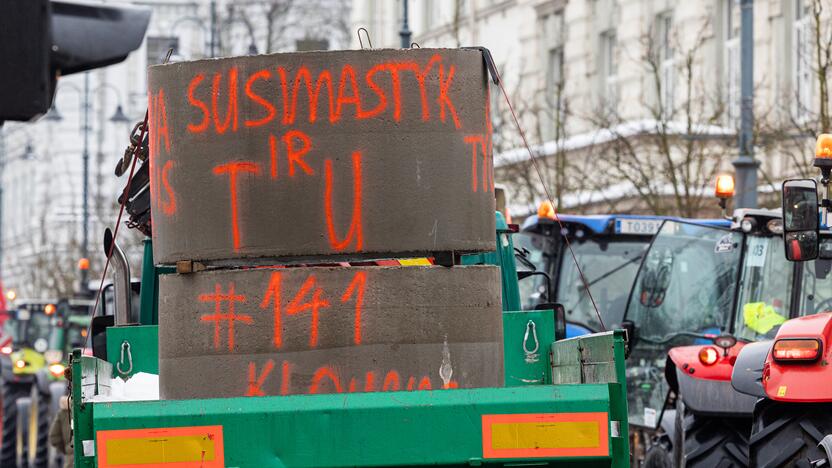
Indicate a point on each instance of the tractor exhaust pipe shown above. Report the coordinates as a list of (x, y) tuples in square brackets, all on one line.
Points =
[(121, 280)]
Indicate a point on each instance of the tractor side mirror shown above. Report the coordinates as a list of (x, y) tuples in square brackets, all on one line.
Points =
[(629, 328), (800, 219), (560, 317), (560, 322)]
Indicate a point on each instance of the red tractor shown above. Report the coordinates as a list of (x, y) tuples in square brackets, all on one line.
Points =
[(701, 294), (791, 374)]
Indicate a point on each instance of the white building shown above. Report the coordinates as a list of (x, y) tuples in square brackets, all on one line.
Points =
[(42, 172), (602, 85)]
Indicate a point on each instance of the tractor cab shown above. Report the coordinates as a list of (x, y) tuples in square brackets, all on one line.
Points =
[(788, 374), (701, 293), (608, 248), (30, 327)]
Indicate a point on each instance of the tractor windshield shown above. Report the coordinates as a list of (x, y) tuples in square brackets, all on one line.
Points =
[(765, 289), (37, 327), (684, 288), (535, 252), (76, 334), (609, 265), (816, 296)]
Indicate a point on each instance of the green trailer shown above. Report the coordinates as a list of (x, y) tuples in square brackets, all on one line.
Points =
[(245, 232), (566, 408)]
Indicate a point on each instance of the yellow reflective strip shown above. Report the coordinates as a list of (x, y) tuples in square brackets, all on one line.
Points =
[(162, 449), (545, 435), (414, 262)]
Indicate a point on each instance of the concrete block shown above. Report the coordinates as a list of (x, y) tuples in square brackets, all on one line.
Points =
[(353, 154), (271, 331)]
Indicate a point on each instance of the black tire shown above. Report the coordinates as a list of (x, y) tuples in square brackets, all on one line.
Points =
[(21, 439), (9, 393), (659, 455), (38, 437), (711, 442), (787, 434)]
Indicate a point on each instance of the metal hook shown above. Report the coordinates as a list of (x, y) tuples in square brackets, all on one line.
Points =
[(366, 33), (531, 354), (415, 45), (125, 346)]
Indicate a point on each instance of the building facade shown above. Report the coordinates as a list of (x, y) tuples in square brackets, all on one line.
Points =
[(41, 163), (633, 105)]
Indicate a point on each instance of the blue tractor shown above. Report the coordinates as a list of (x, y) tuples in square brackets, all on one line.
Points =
[(609, 249)]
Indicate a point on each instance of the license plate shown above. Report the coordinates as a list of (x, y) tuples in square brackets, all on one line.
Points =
[(646, 227)]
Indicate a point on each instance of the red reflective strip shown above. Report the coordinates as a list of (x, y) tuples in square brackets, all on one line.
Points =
[(601, 450)]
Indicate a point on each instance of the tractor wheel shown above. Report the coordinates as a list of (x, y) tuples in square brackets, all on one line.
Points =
[(38, 437), (659, 455), (9, 394), (24, 405), (711, 441), (787, 434)]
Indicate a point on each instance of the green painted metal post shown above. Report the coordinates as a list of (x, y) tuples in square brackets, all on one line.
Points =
[(526, 335), (503, 257), (149, 296)]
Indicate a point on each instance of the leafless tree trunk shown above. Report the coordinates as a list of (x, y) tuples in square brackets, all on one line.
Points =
[(669, 160)]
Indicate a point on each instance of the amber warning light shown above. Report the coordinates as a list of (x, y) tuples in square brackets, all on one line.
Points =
[(724, 186), (823, 148), (546, 210), (823, 154)]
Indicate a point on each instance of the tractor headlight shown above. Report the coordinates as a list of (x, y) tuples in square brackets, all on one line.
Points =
[(57, 370)]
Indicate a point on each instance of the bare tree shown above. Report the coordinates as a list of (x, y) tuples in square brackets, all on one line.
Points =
[(277, 23), (802, 113), (670, 158)]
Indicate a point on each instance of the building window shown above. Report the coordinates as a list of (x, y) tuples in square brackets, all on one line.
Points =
[(555, 81), (609, 67), (733, 99), (802, 75), (431, 14), (666, 64), (553, 116)]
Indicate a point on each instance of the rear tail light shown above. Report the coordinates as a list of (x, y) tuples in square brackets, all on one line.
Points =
[(804, 349), (57, 370), (708, 355)]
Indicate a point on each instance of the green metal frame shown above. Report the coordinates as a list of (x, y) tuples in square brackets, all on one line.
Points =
[(141, 341), (149, 295), (419, 428), (502, 257)]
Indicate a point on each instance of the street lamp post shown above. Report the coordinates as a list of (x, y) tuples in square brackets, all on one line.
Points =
[(4, 159), (118, 117), (745, 164), (213, 27), (405, 31), (85, 155)]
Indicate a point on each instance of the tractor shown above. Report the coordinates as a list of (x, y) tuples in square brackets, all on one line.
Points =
[(69, 330), (700, 295), (788, 375), (609, 249), (30, 327)]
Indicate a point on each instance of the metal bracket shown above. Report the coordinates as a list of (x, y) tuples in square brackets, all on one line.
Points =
[(489, 62)]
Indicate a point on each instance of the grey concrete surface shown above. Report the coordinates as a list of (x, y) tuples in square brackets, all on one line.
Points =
[(420, 322), (408, 138)]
